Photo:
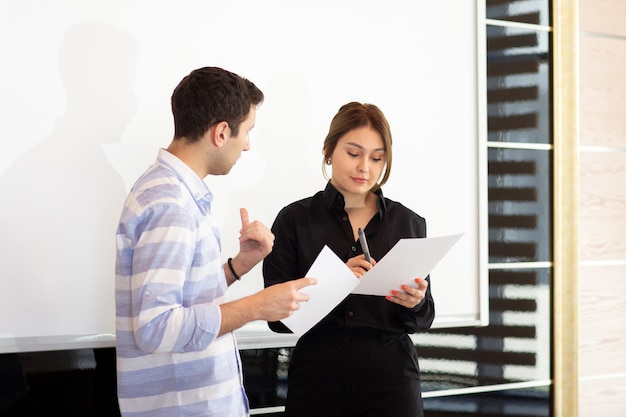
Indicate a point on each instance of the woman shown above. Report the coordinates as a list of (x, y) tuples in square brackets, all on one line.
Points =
[(358, 360)]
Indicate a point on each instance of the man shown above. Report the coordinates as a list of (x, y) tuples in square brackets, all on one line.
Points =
[(176, 354)]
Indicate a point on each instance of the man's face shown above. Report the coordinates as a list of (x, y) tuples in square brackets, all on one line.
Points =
[(235, 145)]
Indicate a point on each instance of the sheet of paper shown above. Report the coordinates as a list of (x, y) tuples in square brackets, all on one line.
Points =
[(334, 282), (407, 260)]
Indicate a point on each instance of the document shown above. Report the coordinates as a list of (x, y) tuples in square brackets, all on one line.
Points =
[(407, 260), (334, 282)]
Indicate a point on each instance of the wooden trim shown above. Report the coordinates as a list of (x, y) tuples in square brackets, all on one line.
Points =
[(566, 179)]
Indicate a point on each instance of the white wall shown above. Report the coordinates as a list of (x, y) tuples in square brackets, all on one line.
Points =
[(85, 107)]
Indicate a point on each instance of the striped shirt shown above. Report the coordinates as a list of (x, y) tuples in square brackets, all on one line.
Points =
[(169, 283)]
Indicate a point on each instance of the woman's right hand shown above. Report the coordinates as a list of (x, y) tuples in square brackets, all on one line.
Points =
[(359, 266)]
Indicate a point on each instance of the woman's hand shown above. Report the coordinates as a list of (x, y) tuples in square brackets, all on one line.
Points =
[(409, 297), (359, 265)]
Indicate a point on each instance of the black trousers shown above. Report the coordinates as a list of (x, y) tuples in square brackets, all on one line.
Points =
[(357, 372)]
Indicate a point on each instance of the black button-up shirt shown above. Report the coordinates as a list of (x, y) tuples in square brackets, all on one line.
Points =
[(303, 228)]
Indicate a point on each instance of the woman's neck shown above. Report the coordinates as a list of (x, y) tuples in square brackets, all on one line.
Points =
[(357, 201)]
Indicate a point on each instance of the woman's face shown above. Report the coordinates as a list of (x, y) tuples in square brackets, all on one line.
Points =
[(358, 161)]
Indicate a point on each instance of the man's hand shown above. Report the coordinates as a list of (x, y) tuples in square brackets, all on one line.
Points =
[(271, 304), (281, 300), (255, 243)]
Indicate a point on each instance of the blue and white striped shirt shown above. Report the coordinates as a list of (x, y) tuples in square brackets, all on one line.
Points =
[(169, 284)]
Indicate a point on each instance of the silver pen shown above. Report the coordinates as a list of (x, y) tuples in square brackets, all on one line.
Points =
[(366, 249)]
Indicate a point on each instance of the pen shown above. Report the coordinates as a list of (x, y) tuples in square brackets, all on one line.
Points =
[(366, 249)]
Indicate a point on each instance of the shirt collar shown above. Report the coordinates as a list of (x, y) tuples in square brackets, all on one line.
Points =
[(196, 186), (333, 198)]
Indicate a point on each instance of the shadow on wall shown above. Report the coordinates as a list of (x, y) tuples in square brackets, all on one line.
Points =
[(61, 199), (60, 204)]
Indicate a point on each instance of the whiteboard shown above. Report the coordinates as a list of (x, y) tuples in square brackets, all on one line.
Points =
[(84, 101)]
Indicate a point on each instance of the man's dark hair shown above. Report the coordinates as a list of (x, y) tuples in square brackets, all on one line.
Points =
[(208, 96)]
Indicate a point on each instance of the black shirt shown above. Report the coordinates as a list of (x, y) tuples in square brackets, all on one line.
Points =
[(302, 229)]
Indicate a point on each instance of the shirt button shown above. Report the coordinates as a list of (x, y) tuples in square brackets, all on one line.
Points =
[(146, 293), (353, 248), (350, 313), (345, 219)]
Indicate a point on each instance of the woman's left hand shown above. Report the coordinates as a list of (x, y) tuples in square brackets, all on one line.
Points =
[(409, 297)]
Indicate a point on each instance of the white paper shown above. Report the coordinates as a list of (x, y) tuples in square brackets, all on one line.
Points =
[(407, 260), (334, 282)]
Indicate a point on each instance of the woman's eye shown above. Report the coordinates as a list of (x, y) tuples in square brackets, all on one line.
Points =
[(354, 155)]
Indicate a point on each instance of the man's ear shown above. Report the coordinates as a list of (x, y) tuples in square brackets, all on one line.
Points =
[(219, 133)]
